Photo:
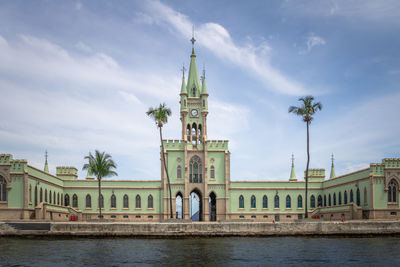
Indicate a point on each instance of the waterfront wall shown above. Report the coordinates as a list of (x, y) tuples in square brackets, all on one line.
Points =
[(172, 230)]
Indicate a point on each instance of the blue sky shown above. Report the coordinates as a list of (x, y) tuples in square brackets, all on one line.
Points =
[(79, 75)]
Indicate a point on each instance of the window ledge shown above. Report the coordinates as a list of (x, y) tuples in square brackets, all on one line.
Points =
[(264, 208), (138, 208), (288, 208), (253, 208), (241, 208), (87, 208), (113, 208), (276, 208), (125, 208), (150, 208)]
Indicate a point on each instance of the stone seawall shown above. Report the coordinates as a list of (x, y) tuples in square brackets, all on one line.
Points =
[(176, 230)]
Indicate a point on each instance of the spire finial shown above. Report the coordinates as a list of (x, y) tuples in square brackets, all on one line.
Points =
[(332, 158), (204, 71), (183, 70), (292, 171), (333, 174), (292, 159), (193, 40), (45, 155)]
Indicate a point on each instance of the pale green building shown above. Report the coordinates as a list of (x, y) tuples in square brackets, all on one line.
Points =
[(201, 188)]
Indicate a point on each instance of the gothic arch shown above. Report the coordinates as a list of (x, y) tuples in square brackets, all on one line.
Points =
[(213, 206), (195, 170)]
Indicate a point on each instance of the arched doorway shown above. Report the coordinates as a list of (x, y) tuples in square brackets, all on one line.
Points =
[(213, 207), (36, 196), (196, 206), (179, 206)]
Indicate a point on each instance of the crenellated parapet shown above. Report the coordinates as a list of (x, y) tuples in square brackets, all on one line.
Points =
[(217, 144), (316, 174), (172, 144), (5, 159), (18, 165), (377, 169), (391, 163), (67, 172)]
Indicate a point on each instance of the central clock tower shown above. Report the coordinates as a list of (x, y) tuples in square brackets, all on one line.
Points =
[(194, 105)]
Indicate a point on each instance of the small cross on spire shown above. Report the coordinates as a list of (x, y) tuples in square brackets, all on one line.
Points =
[(193, 40), (292, 158), (45, 155), (183, 69), (332, 158)]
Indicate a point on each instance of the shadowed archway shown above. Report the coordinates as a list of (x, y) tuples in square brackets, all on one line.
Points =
[(196, 206), (213, 207)]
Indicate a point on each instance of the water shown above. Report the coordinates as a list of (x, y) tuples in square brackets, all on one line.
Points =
[(275, 251)]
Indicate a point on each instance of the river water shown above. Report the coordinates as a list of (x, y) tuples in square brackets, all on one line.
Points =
[(274, 251)]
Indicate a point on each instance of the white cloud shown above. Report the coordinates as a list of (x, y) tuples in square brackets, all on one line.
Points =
[(217, 39), (312, 41), (83, 47), (383, 11)]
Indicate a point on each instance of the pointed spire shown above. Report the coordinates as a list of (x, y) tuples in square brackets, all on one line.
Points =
[(333, 174), (193, 76), (203, 83), (89, 174), (292, 172), (183, 88), (46, 165)]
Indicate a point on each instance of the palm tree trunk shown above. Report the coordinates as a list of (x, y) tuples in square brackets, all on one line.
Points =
[(308, 163), (99, 198), (166, 171)]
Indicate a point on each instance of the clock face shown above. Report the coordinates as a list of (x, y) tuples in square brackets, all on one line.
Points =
[(194, 112)]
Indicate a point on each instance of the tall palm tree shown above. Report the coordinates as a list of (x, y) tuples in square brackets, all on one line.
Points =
[(101, 165), (160, 115), (306, 111)]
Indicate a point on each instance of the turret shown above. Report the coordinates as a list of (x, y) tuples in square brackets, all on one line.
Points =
[(333, 174), (292, 171), (184, 93), (204, 92), (89, 175), (46, 165)]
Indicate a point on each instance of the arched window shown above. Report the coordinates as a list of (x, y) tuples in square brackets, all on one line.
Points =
[(30, 192), (241, 202), (101, 201), (351, 196), (194, 91), (212, 172), (334, 199), (194, 129), (3, 189), (41, 195), (66, 200), (45, 195), (54, 197), (324, 200), (319, 201), (58, 198), (345, 197), (340, 198), (88, 201), (126, 201), (253, 202), (365, 197), (138, 204), (195, 170), (299, 202), (75, 201), (50, 197), (113, 201), (150, 202), (288, 202), (62, 199), (329, 200), (276, 202), (199, 130), (358, 197), (312, 202), (392, 191), (265, 202), (188, 132), (179, 171)]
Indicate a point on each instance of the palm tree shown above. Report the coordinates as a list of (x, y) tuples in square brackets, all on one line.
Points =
[(160, 115), (306, 111), (101, 165)]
